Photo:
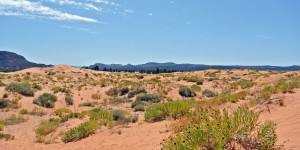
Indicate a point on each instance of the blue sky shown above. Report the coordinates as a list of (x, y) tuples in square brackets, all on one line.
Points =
[(224, 32)]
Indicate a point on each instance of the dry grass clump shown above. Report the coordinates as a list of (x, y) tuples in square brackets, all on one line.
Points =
[(45, 128), (12, 120)]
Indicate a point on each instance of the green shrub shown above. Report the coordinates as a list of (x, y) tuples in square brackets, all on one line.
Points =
[(196, 88), (267, 137), (213, 129), (61, 89), (20, 88), (23, 111), (112, 92), (7, 137), (2, 84), (136, 90), (13, 120), (36, 86), (82, 131), (2, 126), (154, 98), (139, 107), (199, 82), (69, 99), (209, 93), (124, 90), (46, 127), (98, 114), (161, 111), (123, 117), (243, 84), (186, 92), (137, 102), (87, 104), (4, 103), (46, 100)]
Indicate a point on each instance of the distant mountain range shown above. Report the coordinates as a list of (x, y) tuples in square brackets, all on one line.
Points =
[(186, 67), (10, 61)]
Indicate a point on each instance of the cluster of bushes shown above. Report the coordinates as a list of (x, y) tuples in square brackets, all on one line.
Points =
[(154, 98), (46, 100), (82, 131), (161, 111), (35, 112), (65, 114), (209, 93), (136, 90), (61, 89), (187, 92), (213, 129), (20, 88), (282, 86)]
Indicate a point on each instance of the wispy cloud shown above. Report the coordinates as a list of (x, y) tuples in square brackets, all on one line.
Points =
[(37, 10), (263, 36), (87, 6), (79, 29)]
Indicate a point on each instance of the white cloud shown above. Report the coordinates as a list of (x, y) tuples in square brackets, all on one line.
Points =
[(37, 10), (79, 29), (264, 37), (129, 11), (87, 6)]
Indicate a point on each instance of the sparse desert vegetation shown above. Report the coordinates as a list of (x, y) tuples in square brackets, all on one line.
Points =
[(210, 109)]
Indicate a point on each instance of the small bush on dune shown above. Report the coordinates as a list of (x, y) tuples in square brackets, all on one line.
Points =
[(23, 111), (243, 84), (2, 84), (87, 104), (196, 88), (7, 137), (213, 129), (2, 126), (4, 103), (161, 111), (124, 90), (36, 87), (186, 92), (61, 89), (45, 128), (123, 117), (69, 99), (136, 90), (20, 88), (119, 100), (154, 98), (209, 93), (112, 92), (98, 114), (82, 131), (46, 100)]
